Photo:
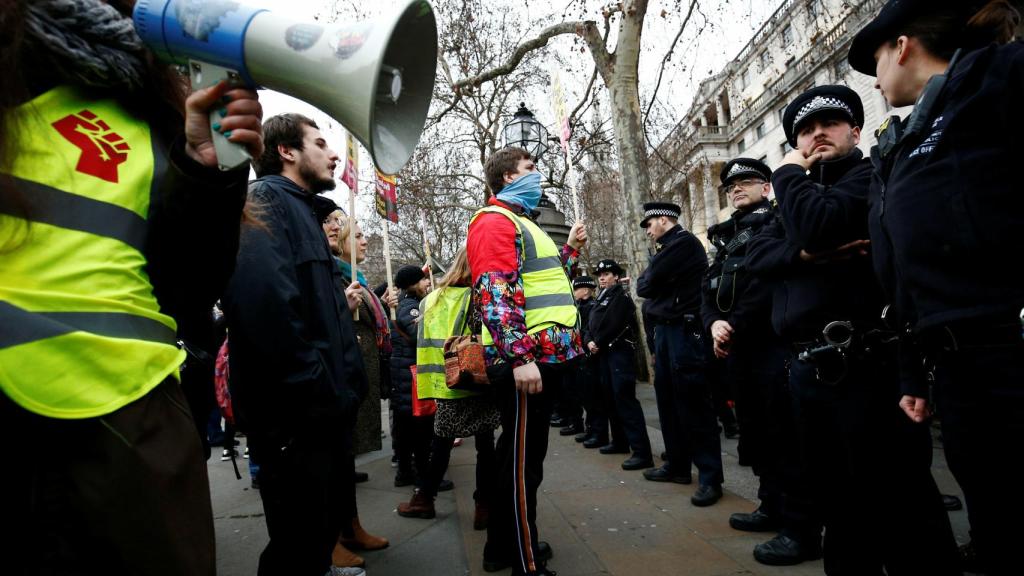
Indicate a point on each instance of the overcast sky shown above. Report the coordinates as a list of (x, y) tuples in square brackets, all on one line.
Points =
[(729, 25)]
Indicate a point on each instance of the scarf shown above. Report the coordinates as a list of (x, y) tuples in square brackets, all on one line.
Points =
[(524, 191), (86, 42), (380, 319)]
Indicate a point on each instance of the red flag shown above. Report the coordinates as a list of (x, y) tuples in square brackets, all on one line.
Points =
[(387, 196), (350, 176)]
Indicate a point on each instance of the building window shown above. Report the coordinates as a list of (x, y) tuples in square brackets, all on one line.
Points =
[(814, 9), (742, 145), (745, 78), (763, 57), (782, 114), (842, 68), (785, 148), (787, 36), (760, 130)]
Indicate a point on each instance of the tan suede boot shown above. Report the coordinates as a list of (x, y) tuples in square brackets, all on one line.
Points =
[(363, 540), (343, 557), (419, 507)]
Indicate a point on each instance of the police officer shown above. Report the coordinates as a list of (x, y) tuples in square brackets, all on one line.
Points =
[(613, 333), (843, 374), (736, 311), (672, 283), (584, 376), (944, 213)]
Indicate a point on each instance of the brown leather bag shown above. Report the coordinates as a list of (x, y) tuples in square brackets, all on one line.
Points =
[(464, 364)]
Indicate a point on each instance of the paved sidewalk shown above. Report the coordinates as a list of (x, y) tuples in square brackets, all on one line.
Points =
[(598, 518)]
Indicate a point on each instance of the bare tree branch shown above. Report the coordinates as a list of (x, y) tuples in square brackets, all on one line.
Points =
[(540, 41), (668, 55)]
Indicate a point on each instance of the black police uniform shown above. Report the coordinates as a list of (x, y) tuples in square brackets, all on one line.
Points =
[(613, 329), (583, 378), (943, 223), (755, 366), (672, 283), (846, 399)]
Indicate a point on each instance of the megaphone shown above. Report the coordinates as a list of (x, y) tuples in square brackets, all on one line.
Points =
[(375, 77)]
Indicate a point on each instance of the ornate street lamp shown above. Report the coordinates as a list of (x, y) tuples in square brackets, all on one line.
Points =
[(526, 132)]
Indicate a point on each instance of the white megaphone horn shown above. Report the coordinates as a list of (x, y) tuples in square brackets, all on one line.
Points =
[(375, 77)]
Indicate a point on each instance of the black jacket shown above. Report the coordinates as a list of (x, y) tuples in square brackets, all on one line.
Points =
[(403, 352), (584, 307), (673, 277), (946, 215), (731, 292), (294, 357), (613, 319), (819, 211)]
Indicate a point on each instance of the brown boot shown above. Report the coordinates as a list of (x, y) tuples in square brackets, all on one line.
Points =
[(343, 557), (480, 516), (363, 540), (419, 507)]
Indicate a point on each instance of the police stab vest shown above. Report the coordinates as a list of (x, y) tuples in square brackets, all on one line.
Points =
[(81, 333), (546, 288), (443, 313)]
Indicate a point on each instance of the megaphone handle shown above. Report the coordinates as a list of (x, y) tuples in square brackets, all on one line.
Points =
[(204, 75)]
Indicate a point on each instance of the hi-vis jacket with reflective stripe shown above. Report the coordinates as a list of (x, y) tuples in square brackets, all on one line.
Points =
[(546, 287), (81, 332), (443, 313)]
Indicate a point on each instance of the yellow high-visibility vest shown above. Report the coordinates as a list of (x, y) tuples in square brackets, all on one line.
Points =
[(546, 287), (443, 313), (81, 333)]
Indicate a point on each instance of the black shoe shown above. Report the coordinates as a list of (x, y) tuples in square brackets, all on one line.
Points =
[(706, 495), (952, 503), (594, 442), (613, 449), (756, 521), (732, 431), (404, 480), (638, 463), (445, 486), (663, 474), (361, 477), (571, 430), (581, 437), (558, 422), (544, 554), (785, 551)]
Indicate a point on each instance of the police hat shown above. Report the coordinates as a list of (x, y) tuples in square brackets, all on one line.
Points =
[(739, 168), (892, 20), (408, 275), (583, 282), (609, 265), (655, 209), (832, 99)]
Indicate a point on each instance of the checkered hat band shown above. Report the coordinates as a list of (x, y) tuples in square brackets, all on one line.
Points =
[(742, 169), (819, 103), (660, 212)]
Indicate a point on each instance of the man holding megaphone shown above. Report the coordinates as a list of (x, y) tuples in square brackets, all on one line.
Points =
[(118, 234)]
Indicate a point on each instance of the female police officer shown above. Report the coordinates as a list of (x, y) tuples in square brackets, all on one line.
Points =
[(942, 215)]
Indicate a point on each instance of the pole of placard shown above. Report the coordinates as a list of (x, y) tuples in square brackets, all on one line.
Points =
[(426, 250), (352, 242), (387, 265)]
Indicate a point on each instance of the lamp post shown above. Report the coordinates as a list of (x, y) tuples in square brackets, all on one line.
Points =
[(526, 132)]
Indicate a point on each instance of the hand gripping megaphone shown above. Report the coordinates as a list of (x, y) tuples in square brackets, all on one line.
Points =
[(375, 77)]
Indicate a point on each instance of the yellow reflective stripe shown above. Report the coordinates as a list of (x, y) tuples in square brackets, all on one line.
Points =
[(22, 326)]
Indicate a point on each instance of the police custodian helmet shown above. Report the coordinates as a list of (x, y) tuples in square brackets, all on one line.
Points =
[(831, 99)]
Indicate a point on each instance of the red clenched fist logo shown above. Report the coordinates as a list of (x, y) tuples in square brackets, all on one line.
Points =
[(103, 150)]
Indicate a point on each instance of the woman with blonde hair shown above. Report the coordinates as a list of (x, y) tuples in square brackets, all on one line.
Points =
[(446, 312)]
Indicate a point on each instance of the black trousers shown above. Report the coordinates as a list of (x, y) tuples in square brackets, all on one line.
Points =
[(618, 380), (128, 494), (869, 467), (684, 402), (305, 486), (519, 453), (416, 433), (981, 404), (440, 456), (584, 375)]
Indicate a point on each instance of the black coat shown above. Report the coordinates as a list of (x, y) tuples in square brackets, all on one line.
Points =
[(731, 292), (945, 218), (403, 352), (612, 319), (294, 357), (584, 307), (672, 280), (819, 211)]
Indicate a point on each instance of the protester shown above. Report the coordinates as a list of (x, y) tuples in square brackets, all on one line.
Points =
[(412, 434), (104, 166), (672, 283), (375, 348), (943, 204), (521, 282), (296, 372), (447, 312)]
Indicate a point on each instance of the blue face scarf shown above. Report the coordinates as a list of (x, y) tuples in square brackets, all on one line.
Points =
[(524, 191)]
